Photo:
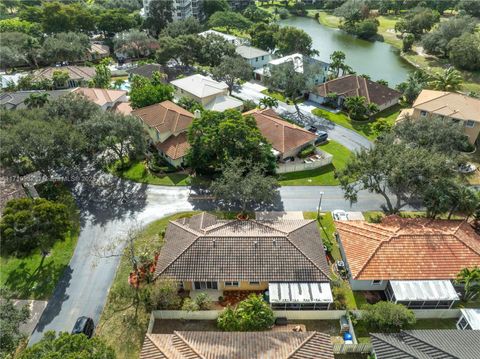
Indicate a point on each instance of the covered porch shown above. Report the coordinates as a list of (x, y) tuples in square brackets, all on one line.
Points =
[(300, 296), (422, 294)]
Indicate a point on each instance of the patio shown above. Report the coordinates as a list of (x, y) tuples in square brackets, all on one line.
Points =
[(316, 160)]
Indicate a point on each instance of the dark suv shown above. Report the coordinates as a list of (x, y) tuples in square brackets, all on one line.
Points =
[(84, 325)]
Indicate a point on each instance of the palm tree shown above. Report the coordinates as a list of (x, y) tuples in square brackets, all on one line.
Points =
[(337, 62), (356, 107), (36, 100), (268, 102), (470, 278), (448, 80)]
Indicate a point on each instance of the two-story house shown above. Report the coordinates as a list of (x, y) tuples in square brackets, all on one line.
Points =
[(257, 58)]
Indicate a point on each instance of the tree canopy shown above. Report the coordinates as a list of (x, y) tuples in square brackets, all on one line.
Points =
[(231, 70), (387, 316), (159, 13), (10, 319), (251, 314), (229, 20), (145, 92), (290, 40), (134, 44)]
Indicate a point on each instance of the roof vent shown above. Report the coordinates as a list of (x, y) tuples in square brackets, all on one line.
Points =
[(197, 114), (213, 241), (274, 242), (255, 243)]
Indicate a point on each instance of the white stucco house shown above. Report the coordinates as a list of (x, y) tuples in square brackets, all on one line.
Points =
[(257, 58)]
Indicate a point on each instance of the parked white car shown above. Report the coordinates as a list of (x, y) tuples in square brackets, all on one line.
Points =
[(340, 215)]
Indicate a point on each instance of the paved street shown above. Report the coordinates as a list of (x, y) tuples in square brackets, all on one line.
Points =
[(110, 206), (348, 138)]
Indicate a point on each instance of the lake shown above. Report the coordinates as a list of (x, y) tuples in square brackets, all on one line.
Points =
[(376, 59)]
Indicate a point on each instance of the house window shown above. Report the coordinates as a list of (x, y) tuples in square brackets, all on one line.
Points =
[(469, 123), (263, 57), (463, 324), (205, 285), (423, 113), (256, 59), (231, 284), (376, 282), (254, 283)]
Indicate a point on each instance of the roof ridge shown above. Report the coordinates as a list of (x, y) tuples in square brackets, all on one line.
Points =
[(180, 336), (149, 337), (411, 334), (446, 93), (290, 355), (366, 89), (394, 346), (461, 239), (380, 244)]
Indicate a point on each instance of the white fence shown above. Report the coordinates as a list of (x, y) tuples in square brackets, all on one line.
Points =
[(437, 313)]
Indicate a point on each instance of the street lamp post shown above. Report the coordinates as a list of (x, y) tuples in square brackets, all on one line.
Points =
[(319, 208)]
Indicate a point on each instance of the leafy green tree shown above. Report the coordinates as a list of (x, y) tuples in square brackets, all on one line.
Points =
[(244, 185), (212, 6), (366, 29), (134, 44), (113, 21), (145, 92), (470, 279), (407, 42), (189, 104), (263, 36), (387, 316), (103, 74), (60, 79), (229, 20), (291, 40), (415, 83), (268, 102), (68, 346), (213, 49), (217, 138), (18, 49), (28, 224), (184, 49), (417, 21), (65, 46), (10, 319), (17, 25), (73, 109), (464, 52), (232, 70), (164, 295), (251, 314), (256, 14), (65, 17), (470, 7), (116, 136), (352, 12), (36, 100), (337, 63), (447, 80), (358, 108), (159, 14), (188, 26)]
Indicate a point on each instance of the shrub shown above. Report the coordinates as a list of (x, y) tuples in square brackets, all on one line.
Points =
[(251, 314), (387, 316), (164, 295), (307, 151), (202, 301), (283, 13), (249, 105), (189, 305), (339, 298)]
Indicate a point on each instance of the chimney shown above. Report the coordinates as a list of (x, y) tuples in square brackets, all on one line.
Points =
[(197, 113)]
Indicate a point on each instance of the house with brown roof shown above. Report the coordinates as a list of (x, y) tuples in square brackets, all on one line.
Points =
[(353, 85), (286, 138), (97, 51), (78, 75), (166, 124), (238, 345), (449, 105), (283, 258), (104, 98), (412, 260)]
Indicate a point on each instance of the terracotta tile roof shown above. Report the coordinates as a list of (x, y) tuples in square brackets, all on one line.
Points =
[(238, 345), (174, 147), (165, 117), (123, 107), (352, 85), (243, 250), (75, 72), (100, 96), (283, 136), (449, 104), (101, 49), (408, 249)]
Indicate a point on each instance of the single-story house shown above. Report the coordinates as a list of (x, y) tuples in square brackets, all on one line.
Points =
[(316, 70), (104, 98), (469, 319), (286, 138), (283, 258), (423, 344), (211, 94), (166, 124), (353, 85), (78, 75), (257, 58), (238, 345), (234, 40), (451, 105), (412, 260), (98, 51)]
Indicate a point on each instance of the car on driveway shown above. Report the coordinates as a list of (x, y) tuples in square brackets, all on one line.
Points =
[(84, 325), (340, 215), (311, 129), (322, 137)]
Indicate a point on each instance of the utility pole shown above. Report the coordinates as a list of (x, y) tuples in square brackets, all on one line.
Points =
[(319, 208)]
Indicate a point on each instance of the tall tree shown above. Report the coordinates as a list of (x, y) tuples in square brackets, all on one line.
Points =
[(68, 346), (103, 74), (464, 52), (36, 100), (415, 83), (229, 20), (134, 44), (447, 80), (212, 6), (65, 46), (358, 108), (470, 279), (232, 70), (145, 92), (73, 108), (188, 26), (244, 185), (10, 319), (113, 21), (263, 36), (291, 40), (159, 14)]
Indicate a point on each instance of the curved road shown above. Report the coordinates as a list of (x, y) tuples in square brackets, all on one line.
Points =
[(110, 206)]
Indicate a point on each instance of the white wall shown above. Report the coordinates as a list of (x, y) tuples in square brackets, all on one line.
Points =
[(258, 63), (367, 285)]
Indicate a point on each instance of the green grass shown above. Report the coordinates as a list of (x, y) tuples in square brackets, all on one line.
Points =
[(327, 19), (435, 324), (138, 172), (365, 129), (34, 276), (323, 175), (118, 325), (276, 95)]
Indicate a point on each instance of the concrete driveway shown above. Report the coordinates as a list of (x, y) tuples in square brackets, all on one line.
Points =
[(110, 206), (348, 138)]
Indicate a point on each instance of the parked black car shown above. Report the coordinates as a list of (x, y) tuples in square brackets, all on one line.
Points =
[(84, 325), (322, 136), (312, 129)]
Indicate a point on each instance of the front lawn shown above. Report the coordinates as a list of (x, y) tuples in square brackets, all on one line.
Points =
[(34, 276), (138, 172), (118, 325), (323, 175), (275, 94), (365, 129)]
